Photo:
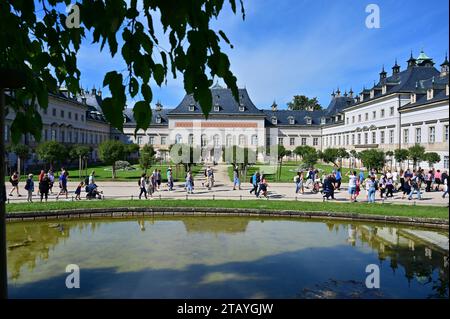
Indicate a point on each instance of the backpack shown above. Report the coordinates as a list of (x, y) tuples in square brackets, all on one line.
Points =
[(139, 182), (251, 179)]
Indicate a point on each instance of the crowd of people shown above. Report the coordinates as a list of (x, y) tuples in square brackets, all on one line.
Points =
[(406, 182), (46, 182)]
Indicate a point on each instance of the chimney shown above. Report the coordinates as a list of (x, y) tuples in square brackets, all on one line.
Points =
[(350, 93)]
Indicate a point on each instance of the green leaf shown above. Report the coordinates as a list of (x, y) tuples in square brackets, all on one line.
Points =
[(146, 92), (143, 115), (158, 74), (134, 87)]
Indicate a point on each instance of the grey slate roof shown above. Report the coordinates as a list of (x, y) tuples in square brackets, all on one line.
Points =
[(299, 117), (163, 114), (223, 98), (337, 104)]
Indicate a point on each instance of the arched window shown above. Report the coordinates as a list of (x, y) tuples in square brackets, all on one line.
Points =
[(191, 139), (255, 140), (204, 140), (178, 139), (229, 141), (216, 140), (242, 140)]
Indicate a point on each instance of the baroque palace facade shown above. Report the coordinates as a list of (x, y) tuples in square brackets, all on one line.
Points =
[(404, 108)]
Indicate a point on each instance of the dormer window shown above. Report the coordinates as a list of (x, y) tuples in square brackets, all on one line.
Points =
[(323, 120), (158, 119), (384, 89), (241, 108), (372, 94), (291, 120), (308, 120), (216, 108), (413, 97), (191, 108), (430, 94), (274, 120)]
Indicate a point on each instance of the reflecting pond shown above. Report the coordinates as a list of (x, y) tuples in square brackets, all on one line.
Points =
[(224, 257)]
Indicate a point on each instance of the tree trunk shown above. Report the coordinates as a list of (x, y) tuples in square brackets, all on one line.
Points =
[(79, 166), (114, 170), (18, 165), (3, 263)]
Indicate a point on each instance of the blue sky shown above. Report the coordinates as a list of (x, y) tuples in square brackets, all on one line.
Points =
[(310, 47)]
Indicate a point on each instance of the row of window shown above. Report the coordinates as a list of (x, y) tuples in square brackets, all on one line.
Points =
[(73, 137), (356, 139), (291, 120), (62, 114), (374, 115), (303, 140)]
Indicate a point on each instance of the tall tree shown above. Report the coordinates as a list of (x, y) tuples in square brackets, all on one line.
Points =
[(110, 152), (80, 152), (146, 157), (416, 154), (330, 155), (373, 158), (401, 155), (390, 154), (51, 152), (303, 149), (432, 158), (302, 102), (22, 152)]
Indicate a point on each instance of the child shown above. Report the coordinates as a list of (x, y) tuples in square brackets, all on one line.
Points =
[(78, 191)]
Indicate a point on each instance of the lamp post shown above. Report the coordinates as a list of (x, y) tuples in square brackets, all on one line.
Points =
[(11, 79)]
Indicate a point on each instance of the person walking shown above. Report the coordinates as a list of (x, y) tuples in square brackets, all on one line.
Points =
[(51, 180), (63, 184), (389, 185), (92, 178), (262, 187), (328, 187), (371, 189), (437, 179), (255, 182), (446, 183), (352, 185), (170, 179), (210, 176), (14, 180), (299, 179), (158, 180), (189, 183), (29, 187), (44, 187), (415, 186), (40, 177), (338, 178), (78, 191), (142, 186), (236, 180)]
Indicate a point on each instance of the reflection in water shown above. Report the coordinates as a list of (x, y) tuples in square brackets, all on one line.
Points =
[(221, 257)]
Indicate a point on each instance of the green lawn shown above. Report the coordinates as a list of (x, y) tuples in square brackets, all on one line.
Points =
[(104, 173), (289, 170), (359, 208)]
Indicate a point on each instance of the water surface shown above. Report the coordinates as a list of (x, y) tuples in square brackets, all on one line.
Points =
[(224, 257)]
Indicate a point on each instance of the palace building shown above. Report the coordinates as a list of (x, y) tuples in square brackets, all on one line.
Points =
[(402, 108)]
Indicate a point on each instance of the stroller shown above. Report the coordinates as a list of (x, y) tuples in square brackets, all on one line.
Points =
[(92, 192)]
